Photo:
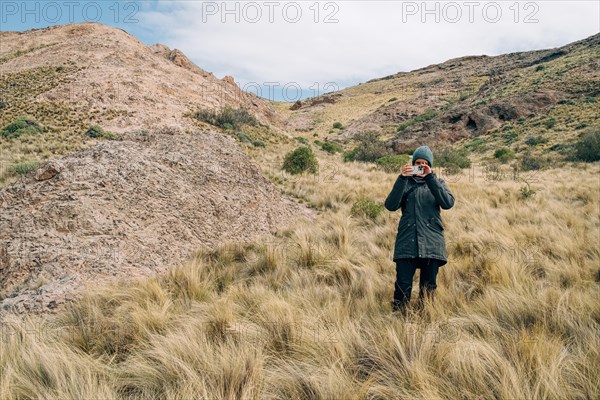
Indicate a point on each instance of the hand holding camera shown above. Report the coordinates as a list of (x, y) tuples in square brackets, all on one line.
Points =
[(418, 170)]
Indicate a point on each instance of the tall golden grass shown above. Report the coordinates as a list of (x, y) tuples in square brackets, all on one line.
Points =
[(306, 313)]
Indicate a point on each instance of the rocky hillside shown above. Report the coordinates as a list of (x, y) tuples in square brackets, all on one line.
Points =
[(480, 101), (129, 208), (69, 77), (96, 73)]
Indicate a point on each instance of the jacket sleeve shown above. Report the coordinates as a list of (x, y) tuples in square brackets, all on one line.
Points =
[(441, 192), (392, 202)]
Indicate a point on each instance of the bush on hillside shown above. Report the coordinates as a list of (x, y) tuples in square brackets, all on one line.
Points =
[(227, 118), (300, 160), (588, 147), (366, 208), (392, 162), (369, 148), (503, 154), (449, 157), (22, 125)]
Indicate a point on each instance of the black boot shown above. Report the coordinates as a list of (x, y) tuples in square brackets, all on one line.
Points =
[(399, 307)]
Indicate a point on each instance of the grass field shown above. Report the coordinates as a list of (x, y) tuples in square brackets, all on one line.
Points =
[(306, 314)]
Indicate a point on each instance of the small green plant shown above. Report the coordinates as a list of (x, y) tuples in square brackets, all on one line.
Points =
[(22, 125), (301, 140), (300, 160), (338, 125), (95, 131), (243, 137), (549, 123), (510, 136), (392, 99), (258, 143), (535, 140), (526, 192), (366, 208), (24, 167), (566, 101), (477, 144), (539, 68), (426, 116), (503, 154), (2, 104), (331, 147)]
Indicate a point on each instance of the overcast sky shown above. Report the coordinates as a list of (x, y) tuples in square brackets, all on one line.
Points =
[(323, 46)]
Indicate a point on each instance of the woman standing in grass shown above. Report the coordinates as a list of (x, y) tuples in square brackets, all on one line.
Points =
[(420, 241)]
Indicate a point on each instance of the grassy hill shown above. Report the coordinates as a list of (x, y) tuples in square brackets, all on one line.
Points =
[(536, 103), (305, 314)]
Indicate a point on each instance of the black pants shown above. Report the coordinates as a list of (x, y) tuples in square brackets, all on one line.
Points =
[(405, 271)]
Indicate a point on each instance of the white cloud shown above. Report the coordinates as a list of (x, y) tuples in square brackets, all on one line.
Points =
[(371, 38)]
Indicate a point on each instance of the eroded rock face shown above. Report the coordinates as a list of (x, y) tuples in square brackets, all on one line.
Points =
[(48, 170), (129, 208)]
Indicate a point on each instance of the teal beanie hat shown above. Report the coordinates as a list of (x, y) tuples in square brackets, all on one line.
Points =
[(425, 153)]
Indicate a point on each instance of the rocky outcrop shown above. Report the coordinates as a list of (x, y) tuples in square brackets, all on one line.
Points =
[(129, 208)]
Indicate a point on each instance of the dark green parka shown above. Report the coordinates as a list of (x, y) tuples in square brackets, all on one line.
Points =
[(420, 230)]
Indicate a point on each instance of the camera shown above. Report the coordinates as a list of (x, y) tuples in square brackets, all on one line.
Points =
[(417, 169)]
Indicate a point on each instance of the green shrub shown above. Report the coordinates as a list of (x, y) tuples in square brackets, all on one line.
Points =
[(477, 144), (503, 154), (301, 140), (22, 125), (539, 68), (369, 148), (392, 162), (227, 118), (24, 167), (449, 156), (331, 147), (338, 125), (392, 99), (258, 143), (2, 104), (549, 123), (350, 154), (566, 101), (510, 136), (95, 131), (300, 160), (590, 100), (366, 208), (531, 162), (588, 147), (535, 140), (243, 137)]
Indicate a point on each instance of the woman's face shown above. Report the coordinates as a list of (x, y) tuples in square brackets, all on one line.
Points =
[(420, 161)]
